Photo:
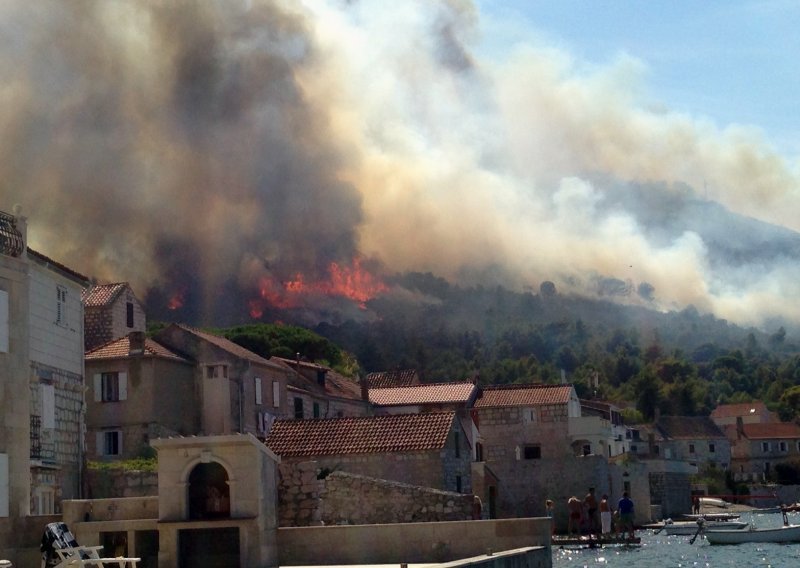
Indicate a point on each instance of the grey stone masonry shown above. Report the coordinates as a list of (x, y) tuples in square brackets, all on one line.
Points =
[(307, 499)]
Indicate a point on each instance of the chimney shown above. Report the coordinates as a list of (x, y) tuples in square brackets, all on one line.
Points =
[(739, 428), (136, 341), (364, 388)]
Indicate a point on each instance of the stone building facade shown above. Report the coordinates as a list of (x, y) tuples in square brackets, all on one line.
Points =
[(522, 428), (111, 311)]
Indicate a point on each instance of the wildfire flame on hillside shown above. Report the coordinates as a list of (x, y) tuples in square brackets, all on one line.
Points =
[(353, 282)]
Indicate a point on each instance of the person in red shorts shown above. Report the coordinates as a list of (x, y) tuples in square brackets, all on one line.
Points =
[(574, 507)]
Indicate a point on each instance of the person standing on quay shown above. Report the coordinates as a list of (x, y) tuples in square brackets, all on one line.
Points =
[(605, 515), (574, 507), (590, 501), (548, 510), (625, 507)]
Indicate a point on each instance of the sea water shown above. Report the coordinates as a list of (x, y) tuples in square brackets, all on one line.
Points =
[(659, 550)]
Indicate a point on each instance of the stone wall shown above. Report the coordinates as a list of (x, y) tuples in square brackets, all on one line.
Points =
[(346, 498), (118, 483), (672, 492)]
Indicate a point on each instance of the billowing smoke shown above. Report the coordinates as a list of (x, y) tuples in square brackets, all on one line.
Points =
[(225, 154)]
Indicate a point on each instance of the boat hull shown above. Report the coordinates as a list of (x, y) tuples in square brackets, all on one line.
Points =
[(690, 527), (789, 533)]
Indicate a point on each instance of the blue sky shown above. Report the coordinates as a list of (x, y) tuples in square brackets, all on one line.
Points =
[(734, 62)]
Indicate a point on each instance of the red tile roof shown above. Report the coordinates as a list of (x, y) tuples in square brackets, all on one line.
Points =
[(120, 348), (741, 409), (361, 435), (384, 379), (228, 345), (523, 395), (771, 431), (442, 393), (102, 294)]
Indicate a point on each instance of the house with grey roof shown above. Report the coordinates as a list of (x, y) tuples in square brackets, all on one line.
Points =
[(694, 439)]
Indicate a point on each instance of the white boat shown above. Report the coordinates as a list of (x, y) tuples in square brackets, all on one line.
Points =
[(786, 533), (691, 527)]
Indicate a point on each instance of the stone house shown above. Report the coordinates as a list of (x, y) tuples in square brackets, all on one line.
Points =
[(522, 428), (694, 439), (41, 362), (756, 448), (317, 391), (111, 311), (238, 390), (429, 450), (138, 390), (750, 412), (396, 378)]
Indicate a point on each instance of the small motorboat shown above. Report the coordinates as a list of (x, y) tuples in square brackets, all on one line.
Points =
[(786, 533), (691, 527)]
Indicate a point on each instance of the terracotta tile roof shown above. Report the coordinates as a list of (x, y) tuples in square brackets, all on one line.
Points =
[(771, 431), (102, 294), (384, 379), (441, 393), (689, 428), (228, 345), (741, 409), (120, 348), (361, 435), (523, 395)]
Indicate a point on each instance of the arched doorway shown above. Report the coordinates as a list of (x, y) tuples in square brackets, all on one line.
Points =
[(209, 492)]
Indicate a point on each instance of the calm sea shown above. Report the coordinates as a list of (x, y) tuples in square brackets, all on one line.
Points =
[(659, 550)]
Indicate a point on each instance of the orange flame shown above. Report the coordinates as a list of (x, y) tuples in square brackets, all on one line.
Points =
[(177, 299), (352, 282)]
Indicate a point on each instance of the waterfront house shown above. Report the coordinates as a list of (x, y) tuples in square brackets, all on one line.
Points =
[(757, 448), (694, 439), (750, 412)]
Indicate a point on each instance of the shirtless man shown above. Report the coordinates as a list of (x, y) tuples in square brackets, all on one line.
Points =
[(574, 507)]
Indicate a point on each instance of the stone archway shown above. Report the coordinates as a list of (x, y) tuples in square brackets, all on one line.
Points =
[(209, 492)]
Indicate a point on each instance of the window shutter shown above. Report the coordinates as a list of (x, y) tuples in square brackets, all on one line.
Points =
[(119, 443), (48, 395), (100, 443), (257, 381), (123, 386), (98, 387), (276, 394), (4, 328), (260, 418)]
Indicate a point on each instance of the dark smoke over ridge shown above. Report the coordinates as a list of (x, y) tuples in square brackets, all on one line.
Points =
[(209, 150)]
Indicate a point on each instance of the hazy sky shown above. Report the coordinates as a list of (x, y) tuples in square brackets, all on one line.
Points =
[(732, 61)]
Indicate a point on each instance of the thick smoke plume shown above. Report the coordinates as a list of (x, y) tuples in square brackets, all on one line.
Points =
[(215, 152)]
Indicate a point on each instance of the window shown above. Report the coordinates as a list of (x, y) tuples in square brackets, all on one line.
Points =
[(61, 305), (586, 450), (457, 443), (478, 452), (691, 448), (316, 410), (3, 321), (765, 447), (782, 446), (129, 314), (110, 387), (458, 484), (44, 501), (712, 448), (529, 415), (276, 394), (655, 450), (109, 443), (257, 385), (533, 452), (216, 371), (633, 447), (298, 407)]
